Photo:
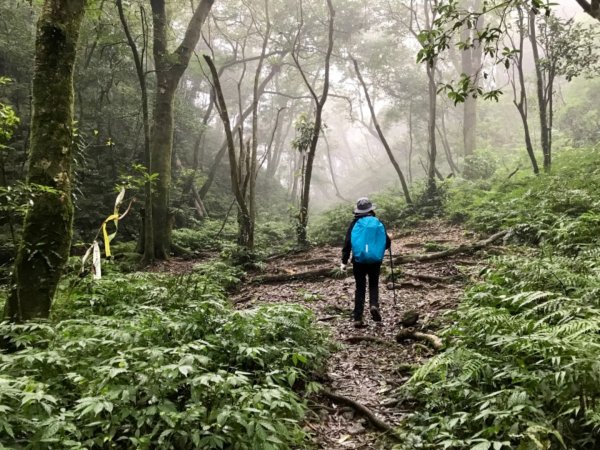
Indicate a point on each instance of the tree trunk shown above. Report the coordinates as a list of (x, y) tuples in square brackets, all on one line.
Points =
[(541, 95), (410, 141), (161, 147), (431, 186), (147, 244), (275, 68), (47, 229), (169, 69), (471, 62), (382, 137), (253, 172), (310, 156), (244, 218), (521, 104)]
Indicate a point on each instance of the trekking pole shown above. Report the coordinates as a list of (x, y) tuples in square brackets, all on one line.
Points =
[(393, 278)]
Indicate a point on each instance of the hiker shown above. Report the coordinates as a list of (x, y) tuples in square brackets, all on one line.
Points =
[(367, 239)]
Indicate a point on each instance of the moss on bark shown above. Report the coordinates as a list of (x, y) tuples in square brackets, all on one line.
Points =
[(48, 223)]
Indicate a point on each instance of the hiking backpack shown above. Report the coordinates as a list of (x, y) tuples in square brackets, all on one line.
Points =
[(368, 240)]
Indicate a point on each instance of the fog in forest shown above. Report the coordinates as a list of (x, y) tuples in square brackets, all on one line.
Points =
[(185, 246), (349, 158)]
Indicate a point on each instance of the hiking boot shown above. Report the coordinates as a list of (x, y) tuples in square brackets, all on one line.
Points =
[(359, 324), (375, 314)]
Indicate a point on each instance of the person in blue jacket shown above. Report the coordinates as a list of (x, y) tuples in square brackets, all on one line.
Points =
[(364, 208)]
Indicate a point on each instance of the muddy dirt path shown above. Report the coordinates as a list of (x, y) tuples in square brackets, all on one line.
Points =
[(368, 372)]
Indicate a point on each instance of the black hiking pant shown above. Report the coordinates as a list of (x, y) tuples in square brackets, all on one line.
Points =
[(361, 272)]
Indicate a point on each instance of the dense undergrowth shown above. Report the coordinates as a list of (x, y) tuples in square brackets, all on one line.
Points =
[(161, 362), (522, 365)]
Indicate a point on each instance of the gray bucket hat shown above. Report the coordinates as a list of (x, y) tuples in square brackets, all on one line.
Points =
[(363, 206)]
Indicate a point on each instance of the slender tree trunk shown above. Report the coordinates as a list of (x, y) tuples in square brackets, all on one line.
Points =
[(431, 185), (148, 233), (253, 170), (235, 166), (319, 105), (48, 223), (275, 69), (447, 149), (410, 141), (332, 172), (382, 137), (521, 103), (274, 157), (541, 95)]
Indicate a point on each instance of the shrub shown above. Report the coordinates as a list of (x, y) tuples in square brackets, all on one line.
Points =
[(153, 361), (479, 167), (521, 368)]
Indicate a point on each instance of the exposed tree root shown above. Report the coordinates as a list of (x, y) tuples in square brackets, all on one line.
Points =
[(410, 333), (362, 409)]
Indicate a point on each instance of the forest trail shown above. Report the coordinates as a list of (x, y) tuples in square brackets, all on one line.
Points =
[(368, 372)]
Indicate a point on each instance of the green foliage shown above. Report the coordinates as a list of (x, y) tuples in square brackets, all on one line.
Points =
[(522, 370), (153, 361), (304, 133), (330, 227), (207, 237), (8, 120), (479, 167), (521, 367), (558, 209), (579, 118)]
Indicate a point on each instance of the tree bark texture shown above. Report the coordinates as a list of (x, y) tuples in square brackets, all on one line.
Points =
[(47, 229), (170, 66)]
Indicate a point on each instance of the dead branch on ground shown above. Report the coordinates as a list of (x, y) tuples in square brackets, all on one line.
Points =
[(362, 409), (329, 272), (453, 251), (410, 333)]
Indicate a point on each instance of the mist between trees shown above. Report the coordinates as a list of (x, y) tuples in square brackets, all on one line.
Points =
[(238, 111)]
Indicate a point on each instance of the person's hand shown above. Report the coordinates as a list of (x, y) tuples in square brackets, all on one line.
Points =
[(343, 267)]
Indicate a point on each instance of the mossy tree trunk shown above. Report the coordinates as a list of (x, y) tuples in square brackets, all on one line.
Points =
[(48, 223), (170, 66)]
